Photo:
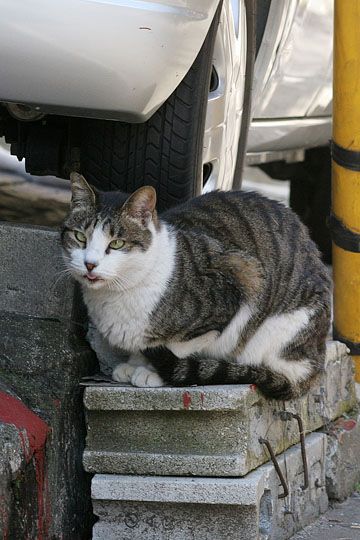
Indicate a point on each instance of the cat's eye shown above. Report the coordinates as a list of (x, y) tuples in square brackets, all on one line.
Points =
[(117, 244), (80, 236)]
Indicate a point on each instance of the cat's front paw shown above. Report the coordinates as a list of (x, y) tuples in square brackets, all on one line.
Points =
[(146, 378), (123, 372)]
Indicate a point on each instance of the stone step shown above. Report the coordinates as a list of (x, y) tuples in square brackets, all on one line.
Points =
[(205, 431), (175, 508)]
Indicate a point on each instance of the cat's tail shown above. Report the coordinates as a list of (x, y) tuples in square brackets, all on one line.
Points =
[(192, 370)]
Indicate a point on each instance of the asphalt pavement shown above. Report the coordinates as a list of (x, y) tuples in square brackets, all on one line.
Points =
[(341, 522)]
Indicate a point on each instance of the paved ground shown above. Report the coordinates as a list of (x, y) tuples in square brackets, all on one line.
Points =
[(342, 522)]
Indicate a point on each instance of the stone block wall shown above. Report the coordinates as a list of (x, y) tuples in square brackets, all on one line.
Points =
[(43, 356)]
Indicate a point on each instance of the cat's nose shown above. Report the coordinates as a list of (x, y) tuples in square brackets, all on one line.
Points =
[(90, 266)]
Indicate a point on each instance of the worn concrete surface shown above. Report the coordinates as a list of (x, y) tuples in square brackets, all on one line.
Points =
[(341, 522), (32, 280), (175, 508), (43, 356), (343, 457), (204, 431), (18, 489)]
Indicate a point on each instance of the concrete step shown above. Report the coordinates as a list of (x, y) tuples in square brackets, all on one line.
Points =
[(205, 431), (175, 508)]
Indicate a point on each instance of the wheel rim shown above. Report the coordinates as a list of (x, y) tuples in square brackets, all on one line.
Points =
[(226, 96)]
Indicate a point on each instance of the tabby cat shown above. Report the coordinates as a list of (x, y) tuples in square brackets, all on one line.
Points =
[(226, 288)]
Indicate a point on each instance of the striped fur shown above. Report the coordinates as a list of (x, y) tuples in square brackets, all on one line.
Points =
[(227, 288)]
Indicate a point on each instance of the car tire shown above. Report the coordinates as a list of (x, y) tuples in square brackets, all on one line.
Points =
[(167, 151)]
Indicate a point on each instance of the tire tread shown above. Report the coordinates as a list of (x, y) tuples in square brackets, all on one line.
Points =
[(165, 151)]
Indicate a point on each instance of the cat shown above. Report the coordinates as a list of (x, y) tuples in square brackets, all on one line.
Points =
[(227, 288)]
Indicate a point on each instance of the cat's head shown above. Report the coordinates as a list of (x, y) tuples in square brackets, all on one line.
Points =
[(107, 236)]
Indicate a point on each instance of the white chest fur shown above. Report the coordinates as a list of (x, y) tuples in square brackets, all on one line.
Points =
[(123, 317)]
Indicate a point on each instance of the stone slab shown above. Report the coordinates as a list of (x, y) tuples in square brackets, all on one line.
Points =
[(31, 279), (343, 457), (173, 508), (204, 431)]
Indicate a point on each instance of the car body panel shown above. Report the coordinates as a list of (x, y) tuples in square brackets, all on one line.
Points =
[(109, 59), (293, 78), (281, 134), (293, 70)]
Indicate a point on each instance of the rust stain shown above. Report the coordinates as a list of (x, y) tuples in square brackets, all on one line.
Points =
[(348, 425), (186, 400)]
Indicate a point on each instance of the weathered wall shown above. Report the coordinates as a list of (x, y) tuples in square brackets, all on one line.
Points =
[(43, 355)]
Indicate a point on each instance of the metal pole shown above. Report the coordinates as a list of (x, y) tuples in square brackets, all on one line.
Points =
[(345, 218)]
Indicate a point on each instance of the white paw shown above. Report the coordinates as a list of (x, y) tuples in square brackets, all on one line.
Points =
[(145, 378), (123, 372)]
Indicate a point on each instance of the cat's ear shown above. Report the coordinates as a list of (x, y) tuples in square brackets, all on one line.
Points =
[(82, 195), (140, 206)]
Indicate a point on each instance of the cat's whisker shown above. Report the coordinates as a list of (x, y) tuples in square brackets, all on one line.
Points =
[(63, 272), (65, 258), (119, 284), (66, 269), (123, 286), (123, 281), (62, 259), (66, 272)]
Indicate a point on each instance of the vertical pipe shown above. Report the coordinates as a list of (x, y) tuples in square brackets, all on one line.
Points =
[(345, 219)]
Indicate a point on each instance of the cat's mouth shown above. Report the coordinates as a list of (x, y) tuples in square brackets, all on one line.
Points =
[(92, 279)]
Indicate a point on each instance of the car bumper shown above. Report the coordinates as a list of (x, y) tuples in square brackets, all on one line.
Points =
[(108, 59)]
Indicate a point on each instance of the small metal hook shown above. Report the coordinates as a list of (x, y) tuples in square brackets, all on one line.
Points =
[(277, 468), (286, 415)]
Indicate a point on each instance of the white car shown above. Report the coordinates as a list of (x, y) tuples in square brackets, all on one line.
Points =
[(161, 92)]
